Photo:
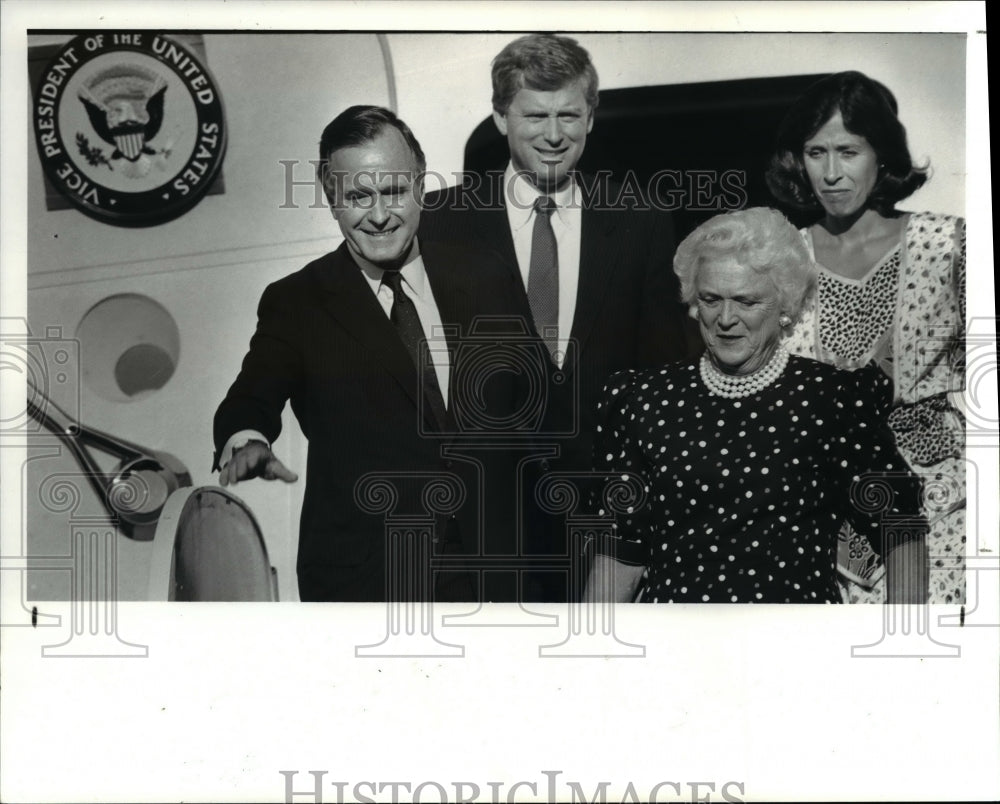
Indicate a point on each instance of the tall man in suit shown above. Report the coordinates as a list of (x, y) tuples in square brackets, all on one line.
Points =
[(594, 267), (347, 341)]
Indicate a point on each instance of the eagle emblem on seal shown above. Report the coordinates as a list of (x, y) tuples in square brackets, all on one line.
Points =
[(125, 105)]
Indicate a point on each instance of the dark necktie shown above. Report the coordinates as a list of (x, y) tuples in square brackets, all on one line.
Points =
[(404, 316), (543, 275)]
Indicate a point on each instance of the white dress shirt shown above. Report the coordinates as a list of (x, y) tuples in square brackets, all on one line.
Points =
[(418, 289), (519, 197)]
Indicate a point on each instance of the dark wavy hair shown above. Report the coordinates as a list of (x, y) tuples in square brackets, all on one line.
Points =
[(869, 110), (544, 62), (358, 125)]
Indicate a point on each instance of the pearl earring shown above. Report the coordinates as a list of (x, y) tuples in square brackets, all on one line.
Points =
[(784, 320)]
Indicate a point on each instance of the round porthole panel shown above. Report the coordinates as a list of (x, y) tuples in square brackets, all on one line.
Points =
[(129, 347)]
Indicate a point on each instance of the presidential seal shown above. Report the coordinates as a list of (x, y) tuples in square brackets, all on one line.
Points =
[(129, 126)]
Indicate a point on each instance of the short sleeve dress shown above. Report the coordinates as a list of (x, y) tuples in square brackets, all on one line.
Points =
[(907, 313), (745, 497)]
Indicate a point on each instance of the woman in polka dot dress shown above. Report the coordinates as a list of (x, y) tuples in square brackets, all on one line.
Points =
[(890, 289), (751, 458)]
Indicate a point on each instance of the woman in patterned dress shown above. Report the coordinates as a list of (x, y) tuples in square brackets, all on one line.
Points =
[(890, 289), (750, 459)]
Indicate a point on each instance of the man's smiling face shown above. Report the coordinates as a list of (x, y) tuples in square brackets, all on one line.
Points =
[(376, 191), (546, 132)]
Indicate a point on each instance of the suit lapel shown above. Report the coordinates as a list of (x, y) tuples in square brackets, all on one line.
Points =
[(349, 299), (452, 289), (598, 256), (450, 285), (494, 230)]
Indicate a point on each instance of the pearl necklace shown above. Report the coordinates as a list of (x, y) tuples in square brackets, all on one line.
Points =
[(732, 386)]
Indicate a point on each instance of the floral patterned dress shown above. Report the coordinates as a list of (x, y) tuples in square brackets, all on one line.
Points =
[(907, 314)]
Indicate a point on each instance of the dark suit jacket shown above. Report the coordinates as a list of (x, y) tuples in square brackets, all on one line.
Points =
[(628, 310), (324, 343)]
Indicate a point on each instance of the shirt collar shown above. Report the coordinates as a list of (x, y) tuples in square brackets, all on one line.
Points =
[(520, 195), (414, 275)]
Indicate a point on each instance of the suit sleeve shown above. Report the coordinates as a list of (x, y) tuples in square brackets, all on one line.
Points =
[(666, 332), (269, 376)]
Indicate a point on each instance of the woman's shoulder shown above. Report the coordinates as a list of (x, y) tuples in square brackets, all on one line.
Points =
[(931, 223), (842, 387), (624, 382), (806, 374), (798, 364), (935, 246)]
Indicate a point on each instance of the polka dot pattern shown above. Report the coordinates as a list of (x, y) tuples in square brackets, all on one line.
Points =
[(746, 496)]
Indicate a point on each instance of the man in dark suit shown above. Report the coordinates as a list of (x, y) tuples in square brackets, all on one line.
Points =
[(349, 341), (594, 266)]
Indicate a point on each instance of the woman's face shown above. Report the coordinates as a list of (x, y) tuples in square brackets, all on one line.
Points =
[(842, 168), (738, 312)]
